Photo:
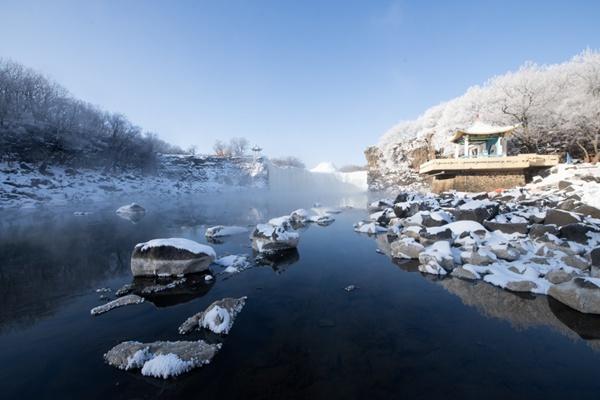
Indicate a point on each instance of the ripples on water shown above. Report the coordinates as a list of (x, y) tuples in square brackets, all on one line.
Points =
[(301, 335)]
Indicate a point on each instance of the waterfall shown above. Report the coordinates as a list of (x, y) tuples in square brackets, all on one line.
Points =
[(302, 180)]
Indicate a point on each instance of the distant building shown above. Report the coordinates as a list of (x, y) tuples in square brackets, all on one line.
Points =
[(481, 162)]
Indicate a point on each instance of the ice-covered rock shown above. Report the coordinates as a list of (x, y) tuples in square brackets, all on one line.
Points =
[(222, 231), (119, 302), (270, 238), (218, 317), (161, 359), (173, 256)]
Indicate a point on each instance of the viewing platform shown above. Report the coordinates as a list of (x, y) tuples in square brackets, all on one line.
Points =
[(521, 162), (483, 164)]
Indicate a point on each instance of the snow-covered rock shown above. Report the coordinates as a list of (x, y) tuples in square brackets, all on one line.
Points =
[(218, 317), (173, 256), (161, 359), (269, 238), (582, 294), (119, 302), (222, 231)]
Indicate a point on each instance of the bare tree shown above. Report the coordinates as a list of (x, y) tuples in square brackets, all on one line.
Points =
[(238, 146)]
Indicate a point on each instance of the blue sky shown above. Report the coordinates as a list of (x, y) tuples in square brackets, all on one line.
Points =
[(317, 79)]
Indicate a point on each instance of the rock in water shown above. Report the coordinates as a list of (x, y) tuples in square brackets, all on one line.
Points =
[(132, 212), (270, 239), (218, 317), (120, 302), (174, 256), (407, 248), (582, 294), (161, 359), (222, 231)]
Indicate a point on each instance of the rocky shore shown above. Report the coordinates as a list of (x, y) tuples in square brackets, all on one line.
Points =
[(543, 238)]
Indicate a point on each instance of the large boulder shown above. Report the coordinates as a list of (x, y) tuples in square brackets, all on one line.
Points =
[(271, 239), (170, 257), (506, 227), (476, 210), (587, 210), (406, 248), (537, 231), (161, 359), (430, 236), (406, 209), (576, 232), (438, 254), (558, 276), (560, 217), (595, 257), (581, 294)]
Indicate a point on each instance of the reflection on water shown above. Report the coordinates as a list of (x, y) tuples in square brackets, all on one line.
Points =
[(169, 292), (522, 310), (300, 335)]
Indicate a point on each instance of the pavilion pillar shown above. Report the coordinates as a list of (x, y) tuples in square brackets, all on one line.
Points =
[(456, 150), (499, 150), (467, 155)]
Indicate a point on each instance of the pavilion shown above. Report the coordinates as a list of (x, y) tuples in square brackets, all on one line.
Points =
[(482, 140), (481, 162)]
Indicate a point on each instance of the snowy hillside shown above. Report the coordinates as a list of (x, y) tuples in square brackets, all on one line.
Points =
[(558, 107), (26, 185)]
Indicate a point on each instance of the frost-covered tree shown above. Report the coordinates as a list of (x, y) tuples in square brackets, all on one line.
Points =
[(41, 122), (557, 107)]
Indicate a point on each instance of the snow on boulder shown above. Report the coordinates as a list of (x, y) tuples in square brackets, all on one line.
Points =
[(120, 302), (222, 231), (270, 239), (233, 263), (369, 227), (161, 359), (218, 317), (438, 255), (170, 257)]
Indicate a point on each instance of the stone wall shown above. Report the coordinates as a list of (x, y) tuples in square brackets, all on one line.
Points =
[(479, 181)]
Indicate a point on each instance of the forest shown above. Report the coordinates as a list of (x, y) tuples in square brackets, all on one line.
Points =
[(41, 122)]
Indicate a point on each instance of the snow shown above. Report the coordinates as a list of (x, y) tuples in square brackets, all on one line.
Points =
[(218, 320), (371, 228), (139, 358), (179, 243), (475, 204), (166, 366), (459, 227), (202, 174), (233, 263), (119, 302), (222, 231), (324, 167)]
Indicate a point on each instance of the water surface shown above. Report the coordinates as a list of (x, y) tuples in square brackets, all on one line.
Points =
[(301, 335)]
